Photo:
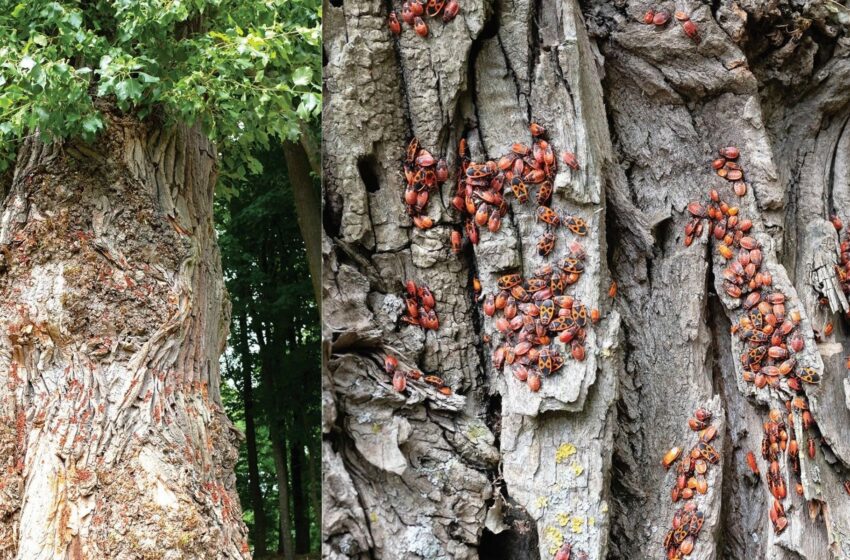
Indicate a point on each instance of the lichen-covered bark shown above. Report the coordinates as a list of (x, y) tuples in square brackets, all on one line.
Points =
[(114, 315), (645, 109)]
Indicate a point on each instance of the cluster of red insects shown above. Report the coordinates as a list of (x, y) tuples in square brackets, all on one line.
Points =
[(532, 310), (769, 333), (690, 479), (479, 196), (535, 310), (565, 553), (412, 12), (661, 17), (424, 174), (400, 378), (419, 305)]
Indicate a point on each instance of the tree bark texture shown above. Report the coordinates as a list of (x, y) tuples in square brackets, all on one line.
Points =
[(494, 470), (114, 315)]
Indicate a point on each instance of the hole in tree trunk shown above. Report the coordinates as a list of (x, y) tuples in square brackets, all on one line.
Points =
[(367, 167), (517, 542), (336, 3)]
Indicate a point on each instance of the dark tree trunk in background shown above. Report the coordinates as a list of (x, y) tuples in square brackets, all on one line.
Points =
[(279, 450), (644, 108), (270, 358), (254, 490), (299, 504), (113, 441)]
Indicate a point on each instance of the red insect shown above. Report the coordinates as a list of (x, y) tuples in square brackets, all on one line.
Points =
[(390, 363), (399, 381), (661, 17), (751, 462), (420, 26), (546, 243), (393, 23), (536, 130), (546, 214), (451, 10), (456, 239), (570, 160), (691, 31)]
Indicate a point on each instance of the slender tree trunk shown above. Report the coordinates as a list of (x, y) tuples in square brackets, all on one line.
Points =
[(299, 504), (308, 207), (314, 476), (279, 450), (254, 490), (115, 444), (644, 108), (277, 435)]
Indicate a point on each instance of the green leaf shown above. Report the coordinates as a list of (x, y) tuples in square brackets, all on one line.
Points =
[(92, 124), (302, 76), (128, 90)]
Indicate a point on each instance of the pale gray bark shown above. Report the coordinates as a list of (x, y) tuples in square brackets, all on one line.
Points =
[(645, 110), (115, 444)]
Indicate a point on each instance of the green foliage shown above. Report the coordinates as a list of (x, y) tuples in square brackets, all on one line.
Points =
[(249, 72)]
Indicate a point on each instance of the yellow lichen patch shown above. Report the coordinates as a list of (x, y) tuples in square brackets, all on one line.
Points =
[(373, 517), (591, 522), (542, 502), (563, 519), (564, 452), (476, 432), (376, 428), (577, 524), (577, 468), (555, 539), (604, 508)]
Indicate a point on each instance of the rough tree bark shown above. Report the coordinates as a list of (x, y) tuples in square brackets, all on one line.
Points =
[(114, 316), (645, 108)]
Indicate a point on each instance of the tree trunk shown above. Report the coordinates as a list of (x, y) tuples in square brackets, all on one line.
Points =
[(114, 441), (501, 472), (308, 207), (254, 490), (299, 504), (279, 451), (271, 354)]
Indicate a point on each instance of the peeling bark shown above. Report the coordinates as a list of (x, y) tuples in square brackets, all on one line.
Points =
[(644, 109), (115, 443)]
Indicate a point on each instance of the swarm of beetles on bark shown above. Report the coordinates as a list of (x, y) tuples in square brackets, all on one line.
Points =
[(414, 12), (400, 377), (681, 539), (768, 330), (481, 186), (690, 481), (420, 306), (424, 174), (662, 17), (691, 471), (532, 312)]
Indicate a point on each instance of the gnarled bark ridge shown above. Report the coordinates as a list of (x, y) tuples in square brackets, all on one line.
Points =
[(497, 471), (114, 316)]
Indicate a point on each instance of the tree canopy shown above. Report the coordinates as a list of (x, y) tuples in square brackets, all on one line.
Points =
[(248, 72)]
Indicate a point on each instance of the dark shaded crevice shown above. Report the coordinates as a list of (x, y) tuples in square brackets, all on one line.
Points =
[(517, 542), (367, 166), (332, 213)]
